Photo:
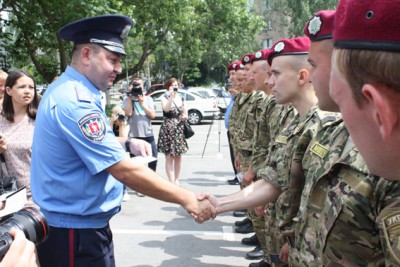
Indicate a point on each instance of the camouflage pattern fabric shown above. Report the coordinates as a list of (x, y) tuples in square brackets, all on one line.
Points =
[(246, 124), (267, 120), (284, 167), (346, 217), (273, 240)]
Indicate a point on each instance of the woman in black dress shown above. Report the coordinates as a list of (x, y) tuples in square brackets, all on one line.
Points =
[(171, 140)]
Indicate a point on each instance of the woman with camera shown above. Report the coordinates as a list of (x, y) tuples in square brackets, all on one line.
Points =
[(17, 121), (171, 140), (118, 122)]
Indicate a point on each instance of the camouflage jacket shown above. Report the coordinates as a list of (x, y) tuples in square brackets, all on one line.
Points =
[(246, 122), (240, 102), (267, 120), (346, 217), (285, 167)]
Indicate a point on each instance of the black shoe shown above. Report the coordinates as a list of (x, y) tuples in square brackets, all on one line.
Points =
[(251, 241), (245, 229), (255, 254), (243, 222), (234, 181), (260, 264), (240, 213)]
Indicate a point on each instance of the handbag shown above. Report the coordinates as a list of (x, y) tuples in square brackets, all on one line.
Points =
[(7, 183), (187, 130)]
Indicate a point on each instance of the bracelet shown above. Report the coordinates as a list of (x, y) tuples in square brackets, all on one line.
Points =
[(127, 145)]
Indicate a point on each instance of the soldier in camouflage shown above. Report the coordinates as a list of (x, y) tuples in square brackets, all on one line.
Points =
[(365, 80), (266, 113), (342, 220)]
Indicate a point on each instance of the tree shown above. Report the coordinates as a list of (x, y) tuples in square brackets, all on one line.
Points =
[(298, 12), (212, 31)]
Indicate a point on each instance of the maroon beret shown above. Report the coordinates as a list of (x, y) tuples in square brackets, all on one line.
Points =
[(294, 46), (320, 27), (230, 66), (372, 24), (236, 64), (260, 55), (247, 59)]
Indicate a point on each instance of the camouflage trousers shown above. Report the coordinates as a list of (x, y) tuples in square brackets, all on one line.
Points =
[(273, 238), (257, 221)]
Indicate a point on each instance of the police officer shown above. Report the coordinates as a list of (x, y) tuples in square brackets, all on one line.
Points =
[(78, 165), (233, 91)]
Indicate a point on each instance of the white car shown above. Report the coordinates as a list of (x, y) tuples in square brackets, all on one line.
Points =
[(221, 97), (199, 108)]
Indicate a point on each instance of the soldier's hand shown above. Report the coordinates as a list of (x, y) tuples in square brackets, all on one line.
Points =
[(284, 253)]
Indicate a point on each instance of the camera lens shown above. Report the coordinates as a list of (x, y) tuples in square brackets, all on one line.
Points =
[(30, 221), (175, 89)]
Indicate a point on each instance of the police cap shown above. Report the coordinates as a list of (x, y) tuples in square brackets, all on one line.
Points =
[(108, 31)]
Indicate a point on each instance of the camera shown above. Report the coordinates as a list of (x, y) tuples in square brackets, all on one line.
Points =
[(175, 88), (136, 90), (121, 117), (30, 221)]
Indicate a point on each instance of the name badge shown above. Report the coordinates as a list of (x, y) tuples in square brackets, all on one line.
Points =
[(319, 150), (281, 139)]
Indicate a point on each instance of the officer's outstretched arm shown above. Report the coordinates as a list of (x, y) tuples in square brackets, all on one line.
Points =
[(143, 180)]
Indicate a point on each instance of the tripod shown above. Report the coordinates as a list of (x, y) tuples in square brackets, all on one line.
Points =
[(208, 135)]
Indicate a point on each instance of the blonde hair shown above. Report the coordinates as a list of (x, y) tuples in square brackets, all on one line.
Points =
[(361, 67), (3, 75), (117, 110)]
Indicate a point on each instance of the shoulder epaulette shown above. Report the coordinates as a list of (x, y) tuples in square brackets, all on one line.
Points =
[(82, 95)]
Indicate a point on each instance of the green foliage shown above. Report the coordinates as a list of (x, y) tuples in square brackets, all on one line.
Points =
[(300, 11), (181, 34)]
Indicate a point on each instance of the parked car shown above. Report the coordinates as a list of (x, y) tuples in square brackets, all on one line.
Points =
[(199, 108), (116, 94), (154, 87), (220, 96)]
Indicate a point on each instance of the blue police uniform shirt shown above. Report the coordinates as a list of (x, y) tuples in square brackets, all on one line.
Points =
[(228, 112), (73, 144)]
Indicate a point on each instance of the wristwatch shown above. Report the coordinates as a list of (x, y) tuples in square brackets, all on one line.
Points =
[(127, 145)]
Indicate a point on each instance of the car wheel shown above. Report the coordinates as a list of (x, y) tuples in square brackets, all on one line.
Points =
[(194, 117)]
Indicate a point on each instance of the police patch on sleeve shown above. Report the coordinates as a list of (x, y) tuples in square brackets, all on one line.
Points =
[(391, 230), (93, 127)]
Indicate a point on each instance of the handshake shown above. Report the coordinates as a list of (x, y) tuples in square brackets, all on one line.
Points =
[(207, 208), (255, 196)]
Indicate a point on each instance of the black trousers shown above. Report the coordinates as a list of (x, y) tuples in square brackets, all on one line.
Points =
[(231, 153), (77, 248)]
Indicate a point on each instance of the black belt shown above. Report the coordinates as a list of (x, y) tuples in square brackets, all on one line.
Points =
[(246, 153), (170, 116)]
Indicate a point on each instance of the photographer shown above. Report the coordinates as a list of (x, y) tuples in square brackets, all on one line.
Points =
[(118, 122), (140, 111), (22, 252)]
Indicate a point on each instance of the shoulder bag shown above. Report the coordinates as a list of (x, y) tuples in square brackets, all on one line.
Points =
[(187, 129)]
